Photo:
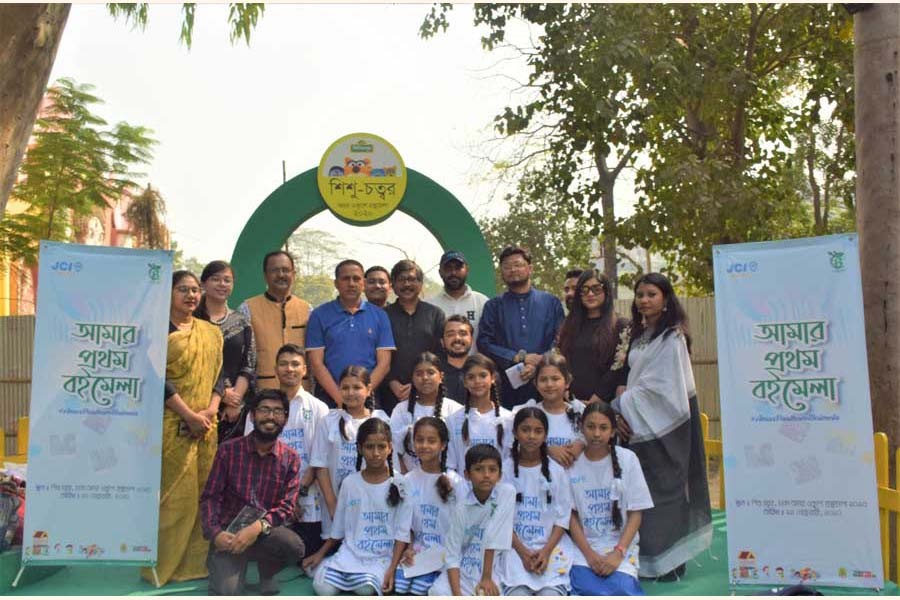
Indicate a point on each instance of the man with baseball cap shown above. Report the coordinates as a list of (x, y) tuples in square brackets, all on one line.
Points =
[(457, 298)]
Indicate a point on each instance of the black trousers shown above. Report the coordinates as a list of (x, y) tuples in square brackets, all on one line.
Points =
[(272, 553)]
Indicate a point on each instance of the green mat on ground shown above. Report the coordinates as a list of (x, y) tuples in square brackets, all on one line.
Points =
[(705, 576)]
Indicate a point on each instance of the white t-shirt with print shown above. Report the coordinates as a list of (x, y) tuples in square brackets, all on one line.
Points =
[(432, 516), (477, 527), (482, 430), (368, 526), (401, 424), (593, 493), (336, 453), (534, 521)]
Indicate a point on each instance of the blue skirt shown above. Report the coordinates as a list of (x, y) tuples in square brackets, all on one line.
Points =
[(415, 586), (587, 583)]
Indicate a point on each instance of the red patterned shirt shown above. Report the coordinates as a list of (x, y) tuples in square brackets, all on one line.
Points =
[(241, 477)]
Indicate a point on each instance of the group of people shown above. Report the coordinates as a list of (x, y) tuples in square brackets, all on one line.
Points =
[(460, 445)]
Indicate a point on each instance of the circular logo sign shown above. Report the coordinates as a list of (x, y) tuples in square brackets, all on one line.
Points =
[(362, 178)]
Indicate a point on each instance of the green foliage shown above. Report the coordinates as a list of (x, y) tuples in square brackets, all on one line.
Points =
[(75, 165), (545, 224), (242, 18), (315, 253), (724, 100), (146, 214), (180, 261)]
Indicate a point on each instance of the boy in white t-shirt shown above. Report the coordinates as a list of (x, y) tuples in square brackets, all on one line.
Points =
[(480, 530), (303, 422)]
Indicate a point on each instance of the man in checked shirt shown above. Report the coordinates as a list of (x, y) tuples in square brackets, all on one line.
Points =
[(260, 473)]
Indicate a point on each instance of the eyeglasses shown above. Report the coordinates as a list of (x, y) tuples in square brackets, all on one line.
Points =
[(510, 266), (186, 289), (407, 279), (275, 412), (280, 271), (592, 289)]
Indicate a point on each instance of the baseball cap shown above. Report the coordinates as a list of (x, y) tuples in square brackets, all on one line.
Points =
[(453, 255)]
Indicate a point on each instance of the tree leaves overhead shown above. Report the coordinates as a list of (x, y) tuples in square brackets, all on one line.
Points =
[(242, 18), (545, 224), (723, 103)]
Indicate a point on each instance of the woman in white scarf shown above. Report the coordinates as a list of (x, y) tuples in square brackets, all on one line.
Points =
[(661, 421)]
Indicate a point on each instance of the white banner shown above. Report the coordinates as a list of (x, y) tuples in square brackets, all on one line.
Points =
[(96, 404), (802, 501)]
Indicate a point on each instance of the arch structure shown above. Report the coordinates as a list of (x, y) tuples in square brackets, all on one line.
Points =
[(298, 199)]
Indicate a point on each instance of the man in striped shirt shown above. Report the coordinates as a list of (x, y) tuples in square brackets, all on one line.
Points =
[(249, 499)]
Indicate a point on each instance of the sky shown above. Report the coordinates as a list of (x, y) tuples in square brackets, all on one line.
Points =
[(226, 116)]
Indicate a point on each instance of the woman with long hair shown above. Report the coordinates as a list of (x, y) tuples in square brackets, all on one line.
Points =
[(661, 419), (593, 338), (239, 348), (193, 365)]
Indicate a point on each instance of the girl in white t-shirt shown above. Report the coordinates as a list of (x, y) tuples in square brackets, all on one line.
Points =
[(482, 420), (433, 494), (334, 448), (426, 398), (609, 493), (539, 562), (370, 523), (552, 378)]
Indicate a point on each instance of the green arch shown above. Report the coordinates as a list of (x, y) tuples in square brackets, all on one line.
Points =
[(298, 200)]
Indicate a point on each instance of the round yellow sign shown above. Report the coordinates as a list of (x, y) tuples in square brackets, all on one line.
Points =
[(362, 178)]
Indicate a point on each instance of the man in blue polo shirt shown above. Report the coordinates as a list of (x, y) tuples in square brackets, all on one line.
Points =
[(347, 331)]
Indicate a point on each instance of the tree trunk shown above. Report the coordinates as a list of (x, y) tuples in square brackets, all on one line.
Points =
[(876, 64), (29, 38), (610, 247)]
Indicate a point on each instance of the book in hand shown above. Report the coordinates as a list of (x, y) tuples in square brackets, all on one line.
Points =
[(248, 515)]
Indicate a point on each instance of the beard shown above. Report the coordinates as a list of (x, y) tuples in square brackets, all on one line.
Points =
[(457, 354), (267, 437), (454, 283)]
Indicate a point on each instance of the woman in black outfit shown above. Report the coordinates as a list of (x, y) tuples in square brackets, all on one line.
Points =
[(594, 340), (239, 349)]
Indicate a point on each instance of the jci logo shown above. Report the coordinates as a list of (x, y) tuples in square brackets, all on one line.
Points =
[(66, 266), (747, 267)]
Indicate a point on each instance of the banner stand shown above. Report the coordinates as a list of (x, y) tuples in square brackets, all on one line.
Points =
[(95, 440), (15, 582), (796, 415)]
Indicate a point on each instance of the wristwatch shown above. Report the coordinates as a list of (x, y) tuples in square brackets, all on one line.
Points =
[(266, 528), (520, 356)]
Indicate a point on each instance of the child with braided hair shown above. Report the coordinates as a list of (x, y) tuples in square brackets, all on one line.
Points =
[(540, 560), (426, 398), (334, 450), (552, 379), (609, 492), (482, 420), (371, 523), (434, 492)]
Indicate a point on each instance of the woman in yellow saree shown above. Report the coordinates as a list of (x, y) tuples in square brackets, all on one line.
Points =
[(193, 363)]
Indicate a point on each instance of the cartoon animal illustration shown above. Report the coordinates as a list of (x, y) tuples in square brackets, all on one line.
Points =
[(390, 171), (357, 166), (336, 171)]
